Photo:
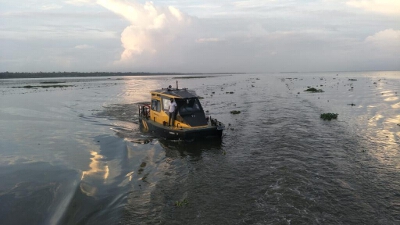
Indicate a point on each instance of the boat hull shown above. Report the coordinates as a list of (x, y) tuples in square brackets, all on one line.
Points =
[(174, 133)]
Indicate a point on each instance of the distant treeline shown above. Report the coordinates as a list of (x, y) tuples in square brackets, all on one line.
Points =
[(8, 75)]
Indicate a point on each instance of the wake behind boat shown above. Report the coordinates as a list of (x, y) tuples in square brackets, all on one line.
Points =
[(188, 119)]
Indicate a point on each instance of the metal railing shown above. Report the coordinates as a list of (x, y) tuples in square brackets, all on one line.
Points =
[(144, 111)]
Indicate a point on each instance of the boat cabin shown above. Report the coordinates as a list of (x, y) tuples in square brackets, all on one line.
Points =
[(189, 112)]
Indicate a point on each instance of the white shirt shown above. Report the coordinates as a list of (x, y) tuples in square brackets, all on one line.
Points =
[(172, 107)]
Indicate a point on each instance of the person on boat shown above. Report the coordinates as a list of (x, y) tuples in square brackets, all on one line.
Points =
[(171, 110)]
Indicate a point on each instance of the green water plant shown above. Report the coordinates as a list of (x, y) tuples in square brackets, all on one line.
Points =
[(313, 90), (191, 77), (181, 203), (45, 86), (329, 116), (52, 82)]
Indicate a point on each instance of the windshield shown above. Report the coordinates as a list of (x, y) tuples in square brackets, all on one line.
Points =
[(188, 106)]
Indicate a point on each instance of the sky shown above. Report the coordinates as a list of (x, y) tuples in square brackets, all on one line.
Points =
[(199, 36)]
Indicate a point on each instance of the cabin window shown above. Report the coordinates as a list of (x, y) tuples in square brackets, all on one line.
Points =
[(155, 105), (193, 104), (189, 106), (166, 102)]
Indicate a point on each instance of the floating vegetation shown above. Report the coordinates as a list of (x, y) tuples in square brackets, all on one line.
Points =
[(181, 203), (314, 90), (191, 77), (45, 86), (230, 92), (329, 116), (352, 79), (142, 165), (235, 112), (52, 82), (145, 177)]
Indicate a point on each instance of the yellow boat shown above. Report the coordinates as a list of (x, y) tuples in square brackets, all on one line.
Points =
[(190, 120)]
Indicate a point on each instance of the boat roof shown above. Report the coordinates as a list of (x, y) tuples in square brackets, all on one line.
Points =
[(175, 93)]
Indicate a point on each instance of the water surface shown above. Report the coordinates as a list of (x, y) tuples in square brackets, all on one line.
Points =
[(75, 155)]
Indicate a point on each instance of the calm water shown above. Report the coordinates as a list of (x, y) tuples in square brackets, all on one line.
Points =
[(74, 155)]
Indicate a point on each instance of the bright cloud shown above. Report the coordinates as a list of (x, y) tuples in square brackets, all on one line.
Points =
[(379, 6), (151, 28), (386, 40)]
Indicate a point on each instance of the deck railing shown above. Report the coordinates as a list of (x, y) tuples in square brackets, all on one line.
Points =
[(144, 111)]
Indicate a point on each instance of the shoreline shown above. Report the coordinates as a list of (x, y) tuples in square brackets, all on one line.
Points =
[(17, 75)]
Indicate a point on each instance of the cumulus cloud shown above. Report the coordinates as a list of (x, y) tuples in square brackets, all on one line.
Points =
[(386, 40), (151, 28), (379, 6)]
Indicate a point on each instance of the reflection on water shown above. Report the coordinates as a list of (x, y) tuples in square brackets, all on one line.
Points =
[(396, 105), (136, 90), (391, 99), (98, 169), (382, 129)]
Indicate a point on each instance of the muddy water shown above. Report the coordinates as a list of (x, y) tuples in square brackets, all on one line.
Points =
[(74, 155)]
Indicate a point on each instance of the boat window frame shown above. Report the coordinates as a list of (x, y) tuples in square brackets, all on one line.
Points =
[(156, 105), (165, 100)]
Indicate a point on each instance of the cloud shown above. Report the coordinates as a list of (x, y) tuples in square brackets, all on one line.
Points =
[(80, 2), (251, 3), (218, 36), (204, 40), (83, 46), (151, 28), (51, 7), (379, 6), (386, 40)]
